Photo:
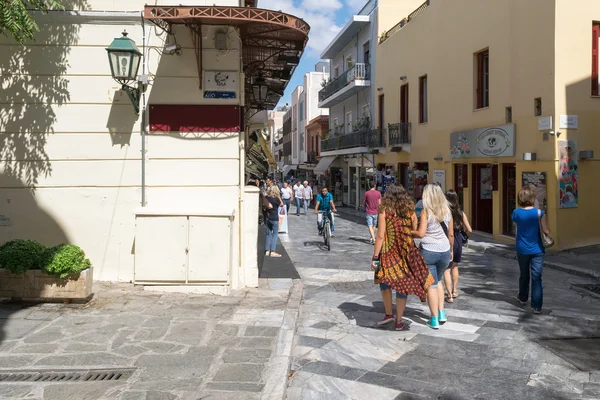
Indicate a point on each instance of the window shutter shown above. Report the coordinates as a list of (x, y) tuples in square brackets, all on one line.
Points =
[(421, 100), (480, 80), (595, 32)]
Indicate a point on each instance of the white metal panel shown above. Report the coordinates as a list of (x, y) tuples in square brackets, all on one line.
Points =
[(209, 249), (160, 249)]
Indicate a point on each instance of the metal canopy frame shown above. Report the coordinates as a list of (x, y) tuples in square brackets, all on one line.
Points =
[(265, 35)]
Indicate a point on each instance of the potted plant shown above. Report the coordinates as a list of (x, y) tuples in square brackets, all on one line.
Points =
[(30, 271)]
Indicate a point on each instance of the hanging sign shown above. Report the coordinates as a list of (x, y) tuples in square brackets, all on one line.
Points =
[(220, 80)]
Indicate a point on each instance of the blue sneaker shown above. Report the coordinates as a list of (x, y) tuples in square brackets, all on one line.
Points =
[(442, 317), (433, 323)]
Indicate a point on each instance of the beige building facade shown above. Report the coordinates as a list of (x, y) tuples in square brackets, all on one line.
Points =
[(157, 198), (501, 98)]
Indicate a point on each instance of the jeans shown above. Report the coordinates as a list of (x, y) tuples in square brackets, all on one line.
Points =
[(298, 205), (306, 205), (287, 203), (437, 263), (320, 221), (272, 230), (533, 263), (383, 286), (372, 219)]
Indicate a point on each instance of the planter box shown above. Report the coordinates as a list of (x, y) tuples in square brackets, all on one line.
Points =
[(36, 285)]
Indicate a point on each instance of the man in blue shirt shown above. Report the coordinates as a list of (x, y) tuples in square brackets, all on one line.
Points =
[(325, 205)]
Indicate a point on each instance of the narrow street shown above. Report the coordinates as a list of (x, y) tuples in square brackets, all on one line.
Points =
[(491, 347)]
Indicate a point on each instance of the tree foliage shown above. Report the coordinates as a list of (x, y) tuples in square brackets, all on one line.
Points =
[(16, 19)]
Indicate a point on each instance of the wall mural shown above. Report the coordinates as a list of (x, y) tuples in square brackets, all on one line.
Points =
[(568, 175)]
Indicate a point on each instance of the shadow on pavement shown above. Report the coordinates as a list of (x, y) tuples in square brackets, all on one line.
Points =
[(367, 317), (274, 267), (314, 243)]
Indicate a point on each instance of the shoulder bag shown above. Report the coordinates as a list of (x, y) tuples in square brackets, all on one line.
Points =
[(547, 240)]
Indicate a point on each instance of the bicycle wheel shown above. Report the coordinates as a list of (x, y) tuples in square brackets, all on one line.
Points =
[(327, 235)]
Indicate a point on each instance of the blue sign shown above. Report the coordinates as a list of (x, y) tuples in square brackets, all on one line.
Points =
[(212, 94)]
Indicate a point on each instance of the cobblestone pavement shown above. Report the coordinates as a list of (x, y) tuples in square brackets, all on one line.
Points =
[(178, 346), (491, 348)]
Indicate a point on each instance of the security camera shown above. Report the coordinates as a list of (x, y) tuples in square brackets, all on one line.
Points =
[(172, 48)]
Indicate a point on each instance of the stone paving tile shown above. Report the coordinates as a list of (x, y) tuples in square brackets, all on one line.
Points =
[(489, 336)]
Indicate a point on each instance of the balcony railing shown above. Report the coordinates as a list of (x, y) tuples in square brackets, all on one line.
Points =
[(386, 35), (399, 133), (364, 138), (311, 157), (360, 71)]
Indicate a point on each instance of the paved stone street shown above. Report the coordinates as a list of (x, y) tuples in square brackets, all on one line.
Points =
[(167, 346), (491, 348)]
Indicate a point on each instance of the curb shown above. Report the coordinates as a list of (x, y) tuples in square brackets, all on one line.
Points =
[(281, 362), (510, 254)]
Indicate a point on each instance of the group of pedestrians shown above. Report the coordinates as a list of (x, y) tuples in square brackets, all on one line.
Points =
[(430, 271)]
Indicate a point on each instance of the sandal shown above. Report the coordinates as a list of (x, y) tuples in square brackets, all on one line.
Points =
[(455, 294), (449, 299), (273, 254)]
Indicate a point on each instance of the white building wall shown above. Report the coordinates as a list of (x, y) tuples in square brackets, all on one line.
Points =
[(70, 142)]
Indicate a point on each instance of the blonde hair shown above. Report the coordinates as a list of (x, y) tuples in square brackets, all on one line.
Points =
[(274, 192), (434, 201)]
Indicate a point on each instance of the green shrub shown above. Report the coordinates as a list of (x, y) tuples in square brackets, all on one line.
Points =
[(64, 260), (19, 255)]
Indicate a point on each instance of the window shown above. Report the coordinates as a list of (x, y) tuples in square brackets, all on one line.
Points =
[(483, 79), (381, 111), (595, 59), (423, 99), (336, 124), (537, 106), (348, 127), (367, 53), (404, 103), (508, 115), (349, 62), (336, 72), (301, 111)]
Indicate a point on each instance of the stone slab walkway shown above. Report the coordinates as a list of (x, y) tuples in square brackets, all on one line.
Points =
[(491, 348), (179, 346)]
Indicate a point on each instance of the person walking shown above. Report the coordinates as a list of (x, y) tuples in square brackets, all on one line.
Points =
[(307, 196), (461, 226), (273, 202), (436, 230), (287, 195), (530, 250), (298, 193), (401, 265), (371, 200)]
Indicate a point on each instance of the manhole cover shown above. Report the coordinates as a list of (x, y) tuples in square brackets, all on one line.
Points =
[(583, 353), (66, 375), (592, 288)]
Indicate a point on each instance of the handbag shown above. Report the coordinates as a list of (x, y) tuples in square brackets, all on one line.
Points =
[(547, 240), (465, 237)]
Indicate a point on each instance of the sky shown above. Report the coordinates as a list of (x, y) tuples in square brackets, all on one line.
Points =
[(325, 17)]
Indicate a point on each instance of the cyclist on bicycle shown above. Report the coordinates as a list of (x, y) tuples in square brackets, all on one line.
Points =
[(324, 206)]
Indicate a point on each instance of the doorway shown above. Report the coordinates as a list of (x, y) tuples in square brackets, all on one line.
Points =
[(403, 169), (461, 182), (482, 203), (509, 189)]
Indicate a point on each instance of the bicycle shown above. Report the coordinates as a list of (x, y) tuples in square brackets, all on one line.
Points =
[(326, 229)]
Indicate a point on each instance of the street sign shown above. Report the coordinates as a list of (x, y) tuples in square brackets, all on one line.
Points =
[(213, 94)]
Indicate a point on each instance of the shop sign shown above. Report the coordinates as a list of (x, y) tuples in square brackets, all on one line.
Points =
[(497, 141), (544, 123), (5, 220), (213, 94), (568, 174), (569, 122), (221, 80)]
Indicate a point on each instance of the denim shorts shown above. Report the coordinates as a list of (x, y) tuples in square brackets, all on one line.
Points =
[(437, 263), (383, 286), (372, 219)]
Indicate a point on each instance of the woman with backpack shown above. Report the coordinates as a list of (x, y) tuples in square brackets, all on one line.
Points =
[(461, 228)]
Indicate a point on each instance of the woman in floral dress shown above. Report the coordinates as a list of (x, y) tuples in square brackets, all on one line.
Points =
[(397, 262)]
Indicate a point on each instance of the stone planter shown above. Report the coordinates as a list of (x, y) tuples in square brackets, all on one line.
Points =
[(36, 285)]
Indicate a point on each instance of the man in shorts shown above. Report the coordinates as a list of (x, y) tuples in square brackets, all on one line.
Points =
[(371, 200)]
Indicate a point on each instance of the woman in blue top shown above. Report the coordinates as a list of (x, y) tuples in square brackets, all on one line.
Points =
[(530, 251)]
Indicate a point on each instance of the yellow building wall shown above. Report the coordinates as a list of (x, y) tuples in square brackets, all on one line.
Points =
[(578, 226), (537, 49)]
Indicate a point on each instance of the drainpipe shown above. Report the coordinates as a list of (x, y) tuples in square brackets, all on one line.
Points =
[(242, 171), (143, 122)]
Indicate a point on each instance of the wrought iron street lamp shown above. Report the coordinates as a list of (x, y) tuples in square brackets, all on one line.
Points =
[(124, 58), (260, 90)]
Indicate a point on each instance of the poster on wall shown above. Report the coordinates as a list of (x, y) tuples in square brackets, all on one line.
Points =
[(568, 175), (486, 187), (439, 177), (538, 181), (283, 221)]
